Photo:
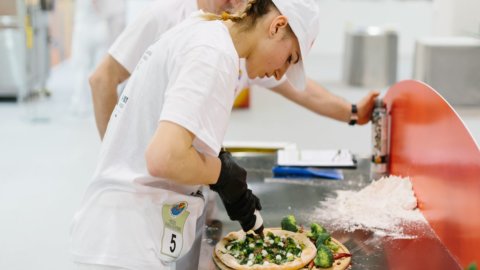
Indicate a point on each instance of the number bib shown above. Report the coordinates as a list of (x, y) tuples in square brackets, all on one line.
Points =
[(174, 217), (176, 234)]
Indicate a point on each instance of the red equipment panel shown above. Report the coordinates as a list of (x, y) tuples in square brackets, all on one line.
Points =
[(430, 144)]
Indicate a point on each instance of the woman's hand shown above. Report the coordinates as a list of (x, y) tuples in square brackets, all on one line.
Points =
[(239, 201), (365, 107)]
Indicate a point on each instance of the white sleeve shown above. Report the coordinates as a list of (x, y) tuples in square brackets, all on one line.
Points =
[(267, 82), (129, 47), (200, 94)]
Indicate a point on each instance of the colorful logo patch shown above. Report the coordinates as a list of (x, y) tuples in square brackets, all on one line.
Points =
[(178, 208)]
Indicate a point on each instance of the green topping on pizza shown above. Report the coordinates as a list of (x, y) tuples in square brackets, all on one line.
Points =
[(272, 249), (289, 223), (324, 258), (322, 239)]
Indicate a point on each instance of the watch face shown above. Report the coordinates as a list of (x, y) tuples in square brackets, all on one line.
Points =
[(354, 108)]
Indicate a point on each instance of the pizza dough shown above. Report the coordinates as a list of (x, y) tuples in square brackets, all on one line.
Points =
[(307, 254), (339, 264)]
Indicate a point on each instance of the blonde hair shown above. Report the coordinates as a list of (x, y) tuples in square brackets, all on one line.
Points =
[(253, 10)]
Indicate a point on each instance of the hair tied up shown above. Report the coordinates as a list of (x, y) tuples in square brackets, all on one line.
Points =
[(253, 10), (225, 16)]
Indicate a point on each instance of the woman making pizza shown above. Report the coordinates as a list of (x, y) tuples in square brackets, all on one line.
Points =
[(143, 209)]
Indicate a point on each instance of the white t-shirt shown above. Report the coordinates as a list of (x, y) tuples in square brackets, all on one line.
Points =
[(187, 77), (156, 19), (152, 22)]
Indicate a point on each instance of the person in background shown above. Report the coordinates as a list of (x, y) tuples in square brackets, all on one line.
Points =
[(97, 23), (124, 54), (143, 209), (160, 16)]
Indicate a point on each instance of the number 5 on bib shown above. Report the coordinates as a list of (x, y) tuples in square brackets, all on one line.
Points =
[(174, 218)]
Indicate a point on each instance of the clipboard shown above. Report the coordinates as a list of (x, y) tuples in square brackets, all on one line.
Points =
[(333, 158)]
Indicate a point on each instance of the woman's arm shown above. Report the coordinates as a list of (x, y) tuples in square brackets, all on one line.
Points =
[(104, 82), (170, 155), (319, 100)]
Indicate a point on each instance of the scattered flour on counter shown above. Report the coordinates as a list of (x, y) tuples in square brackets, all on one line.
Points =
[(382, 207)]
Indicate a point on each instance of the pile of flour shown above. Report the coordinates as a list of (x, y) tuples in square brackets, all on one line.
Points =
[(381, 207)]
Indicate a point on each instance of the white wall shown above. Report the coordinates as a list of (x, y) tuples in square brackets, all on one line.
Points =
[(456, 17)]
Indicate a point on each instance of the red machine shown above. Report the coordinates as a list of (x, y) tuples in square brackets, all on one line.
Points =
[(430, 144)]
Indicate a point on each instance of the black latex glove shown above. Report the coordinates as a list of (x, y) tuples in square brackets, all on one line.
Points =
[(232, 182), (231, 186), (244, 209)]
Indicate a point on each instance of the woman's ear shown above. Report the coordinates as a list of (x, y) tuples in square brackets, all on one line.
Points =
[(278, 23)]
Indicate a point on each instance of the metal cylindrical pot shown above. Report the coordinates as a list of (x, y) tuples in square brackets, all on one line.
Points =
[(370, 58)]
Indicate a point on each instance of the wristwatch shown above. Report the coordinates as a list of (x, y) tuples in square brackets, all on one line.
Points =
[(354, 115)]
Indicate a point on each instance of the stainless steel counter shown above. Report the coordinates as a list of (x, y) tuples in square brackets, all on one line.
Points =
[(280, 197)]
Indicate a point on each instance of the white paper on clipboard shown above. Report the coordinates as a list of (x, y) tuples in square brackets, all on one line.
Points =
[(333, 158)]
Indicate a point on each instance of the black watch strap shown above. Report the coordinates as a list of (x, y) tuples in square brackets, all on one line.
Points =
[(354, 115)]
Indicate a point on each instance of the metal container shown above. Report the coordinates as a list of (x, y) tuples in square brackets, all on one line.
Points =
[(451, 65), (370, 58), (12, 52), (24, 51)]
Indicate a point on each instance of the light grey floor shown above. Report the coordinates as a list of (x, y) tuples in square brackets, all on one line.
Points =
[(46, 165)]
